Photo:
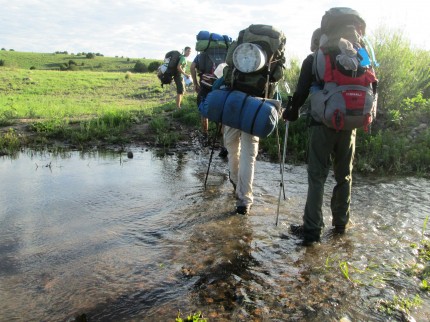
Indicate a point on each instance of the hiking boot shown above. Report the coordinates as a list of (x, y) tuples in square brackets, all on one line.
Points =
[(339, 229), (309, 242), (297, 230), (223, 153), (242, 210)]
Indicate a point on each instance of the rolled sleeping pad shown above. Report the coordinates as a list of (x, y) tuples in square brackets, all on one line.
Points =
[(241, 111), (203, 35), (202, 45), (206, 35)]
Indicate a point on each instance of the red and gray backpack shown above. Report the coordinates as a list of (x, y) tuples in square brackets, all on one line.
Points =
[(345, 97)]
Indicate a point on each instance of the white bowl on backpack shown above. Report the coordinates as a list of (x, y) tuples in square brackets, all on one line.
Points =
[(249, 58)]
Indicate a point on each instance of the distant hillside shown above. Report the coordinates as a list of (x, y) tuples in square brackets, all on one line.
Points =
[(57, 61)]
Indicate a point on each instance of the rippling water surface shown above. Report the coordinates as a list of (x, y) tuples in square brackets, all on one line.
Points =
[(139, 239)]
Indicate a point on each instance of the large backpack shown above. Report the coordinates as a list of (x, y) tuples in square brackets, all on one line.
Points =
[(345, 97), (208, 62), (169, 68), (213, 51), (262, 81)]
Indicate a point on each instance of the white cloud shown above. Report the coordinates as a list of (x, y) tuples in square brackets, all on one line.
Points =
[(134, 28)]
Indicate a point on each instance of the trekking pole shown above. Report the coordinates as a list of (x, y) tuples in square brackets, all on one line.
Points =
[(278, 98), (219, 125), (281, 185)]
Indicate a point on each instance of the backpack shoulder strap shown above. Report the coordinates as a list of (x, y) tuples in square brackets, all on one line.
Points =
[(317, 69)]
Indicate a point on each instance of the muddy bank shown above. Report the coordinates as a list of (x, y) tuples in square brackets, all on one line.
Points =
[(191, 139)]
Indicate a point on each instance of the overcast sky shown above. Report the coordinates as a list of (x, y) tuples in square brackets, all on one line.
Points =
[(144, 28)]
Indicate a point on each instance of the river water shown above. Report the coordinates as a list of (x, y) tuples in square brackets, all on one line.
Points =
[(112, 238)]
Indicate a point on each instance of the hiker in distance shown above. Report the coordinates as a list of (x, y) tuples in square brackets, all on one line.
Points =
[(207, 66), (179, 80), (332, 142), (201, 91), (204, 67)]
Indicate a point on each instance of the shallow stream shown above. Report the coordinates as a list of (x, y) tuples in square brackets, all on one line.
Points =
[(121, 239)]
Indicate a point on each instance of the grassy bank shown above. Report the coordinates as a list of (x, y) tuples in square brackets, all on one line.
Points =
[(85, 109)]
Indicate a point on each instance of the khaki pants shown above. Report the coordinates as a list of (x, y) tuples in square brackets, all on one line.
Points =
[(324, 145), (242, 151)]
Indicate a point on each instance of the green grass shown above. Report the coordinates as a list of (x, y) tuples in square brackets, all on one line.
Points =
[(54, 94), (194, 317), (85, 108), (52, 61)]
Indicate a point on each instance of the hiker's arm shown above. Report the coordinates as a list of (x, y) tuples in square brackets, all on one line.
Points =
[(291, 113), (304, 83), (181, 71), (194, 76)]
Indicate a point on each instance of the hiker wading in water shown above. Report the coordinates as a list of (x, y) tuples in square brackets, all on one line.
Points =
[(325, 145)]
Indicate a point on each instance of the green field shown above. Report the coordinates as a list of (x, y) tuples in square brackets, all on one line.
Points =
[(55, 94), (92, 106), (53, 61)]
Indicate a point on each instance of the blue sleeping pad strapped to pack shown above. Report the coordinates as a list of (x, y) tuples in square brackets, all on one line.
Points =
[(241, 111), (206, 40)]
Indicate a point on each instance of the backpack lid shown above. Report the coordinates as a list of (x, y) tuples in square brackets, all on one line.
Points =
[(341, 16)]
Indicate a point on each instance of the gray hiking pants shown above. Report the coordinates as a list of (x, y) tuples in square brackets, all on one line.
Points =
[(326, 144)]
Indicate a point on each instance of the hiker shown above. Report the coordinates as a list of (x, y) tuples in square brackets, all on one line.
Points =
[(325, 143), (242, 146), (179, 81), (208, 66), (200, 90)]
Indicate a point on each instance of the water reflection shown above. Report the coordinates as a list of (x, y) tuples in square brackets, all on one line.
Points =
[(139, 239)]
